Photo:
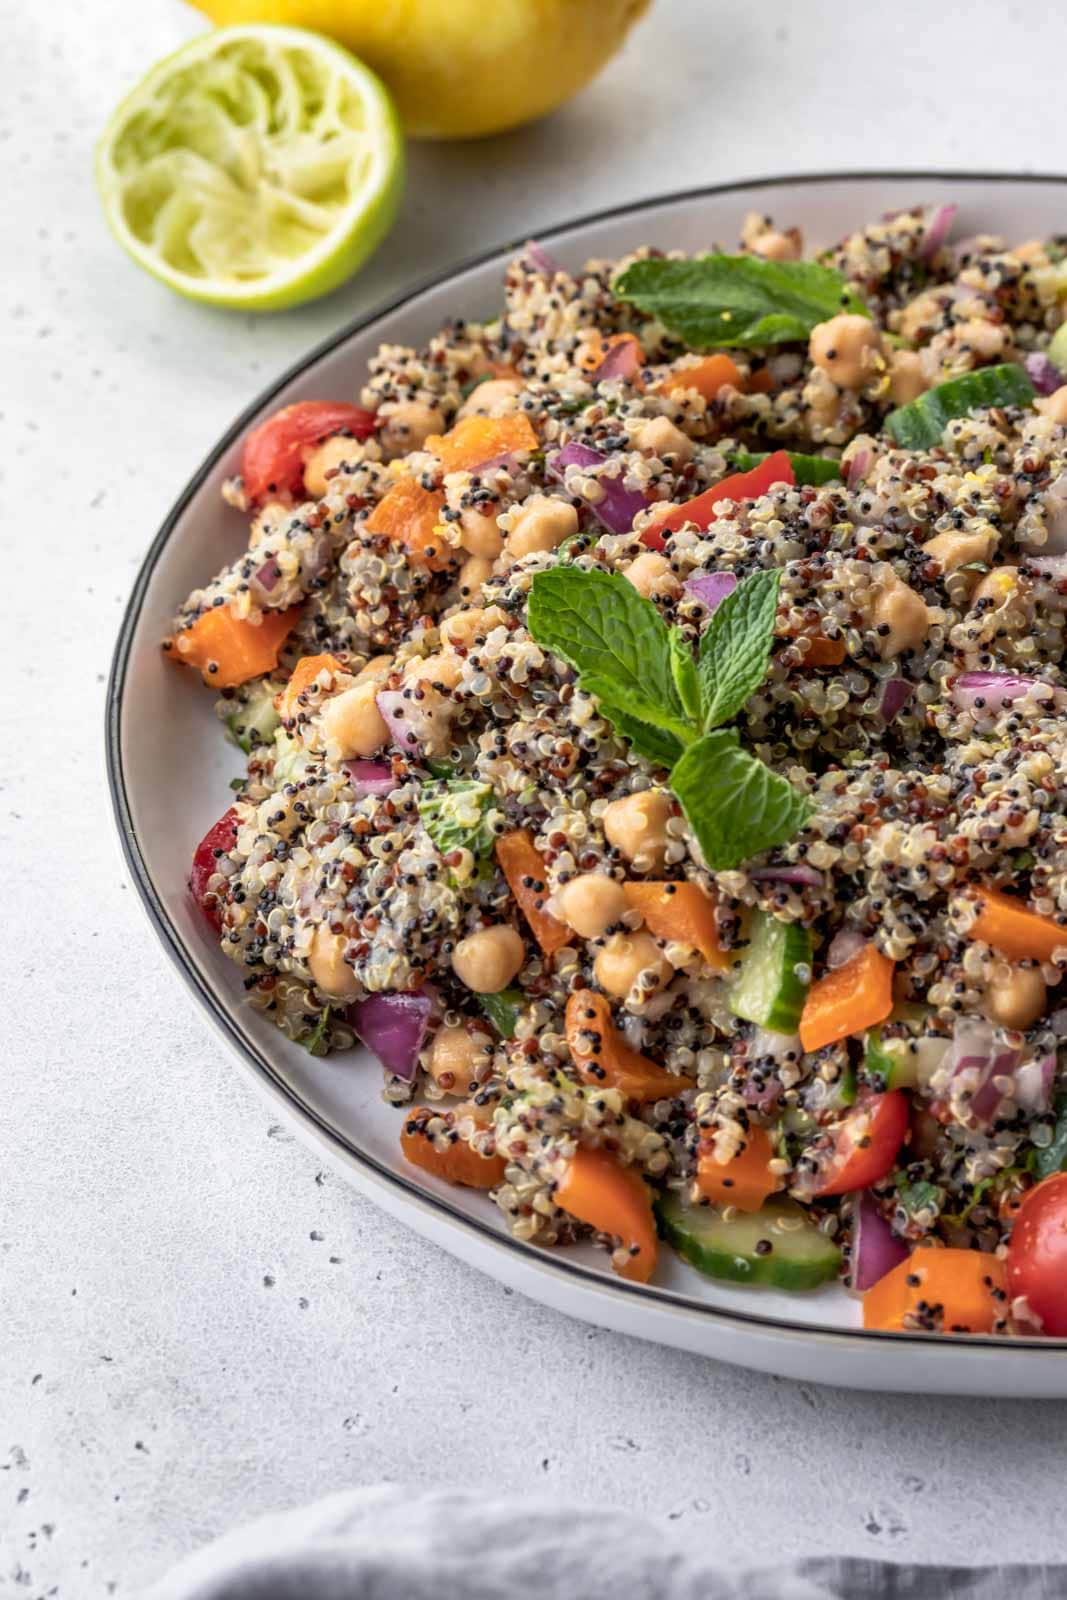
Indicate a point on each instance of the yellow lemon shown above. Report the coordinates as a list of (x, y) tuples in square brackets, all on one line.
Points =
[(462, 68)]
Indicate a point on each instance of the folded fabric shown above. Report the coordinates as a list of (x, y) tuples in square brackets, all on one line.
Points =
[(389, 1543)]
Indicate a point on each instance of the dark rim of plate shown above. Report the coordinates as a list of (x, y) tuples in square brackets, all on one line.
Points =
[(588, 1277)]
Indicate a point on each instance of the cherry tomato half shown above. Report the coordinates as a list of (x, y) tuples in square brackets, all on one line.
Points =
[(272, 460), (867, 1143), (217, 840), (1037, 1253)]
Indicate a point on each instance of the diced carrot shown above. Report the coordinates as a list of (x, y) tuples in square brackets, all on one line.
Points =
[(602, 1056), (852, 997), (950, 1291), (409, 515), (707, 377), (760, 382), (1012, 928), (527, 875), (304, 674), (746, 1180), (777, 468), (459, 1162), (821, 651), (476, 440), (230, 650), (614, 1200), (680, 911)]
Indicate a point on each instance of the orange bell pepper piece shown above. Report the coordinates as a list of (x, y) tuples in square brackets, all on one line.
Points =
[(602, 1056), (950, 1291), (613, 1200), (409, 515), (304, 674), (458, 1163), (230, 650), (680, 911), (476, 440), (1004, 922), (523, 867), (852, 997), (746, 1180), (707, 377)]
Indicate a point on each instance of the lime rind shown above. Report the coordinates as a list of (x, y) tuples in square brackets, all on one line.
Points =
[(257, 167)]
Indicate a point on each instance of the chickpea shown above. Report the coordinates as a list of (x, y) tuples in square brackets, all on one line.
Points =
[(591, 903), (661, 438), (542, 524), (352, 723), (479, 534), (455, 1057), (268, 519), (487, 961), (848, 349), (376, 670), (496, 397), (328, 457), (328, 967), (651, 575), (624, 958), (953, 550), (466, 626), (1017, 998), (907, 377), (637, 826), (899, 615), (473, 575), (443, 671), (406, 426), (1055, 405)]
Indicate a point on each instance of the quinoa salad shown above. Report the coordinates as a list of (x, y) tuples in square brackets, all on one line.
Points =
[(653, 703)]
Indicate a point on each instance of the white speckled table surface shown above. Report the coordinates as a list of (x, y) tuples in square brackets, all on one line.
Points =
[(196, 1324)]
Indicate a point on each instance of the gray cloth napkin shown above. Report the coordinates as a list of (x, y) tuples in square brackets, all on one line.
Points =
[(389, 1543)]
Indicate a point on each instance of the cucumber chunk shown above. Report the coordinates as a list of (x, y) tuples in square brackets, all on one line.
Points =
[(255, 720), (921, 424), (907, 1062), (768, 989), (800, 1256), (811, 470)]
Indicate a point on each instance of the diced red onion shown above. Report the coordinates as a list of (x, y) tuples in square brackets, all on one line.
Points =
[(857, 468), (541, 259), (268, 574), (779, 1046), (876, 1249), (623, 360), (798, 873), (394, 1026), (995, 690), (370, 778), (1058, 1022), (981, 1057), (1054, 567), (845, 944), (895, 695), (617, 507), (401, 717), (1033, 1083), (1045, 375), (711, 587), (937, 232)]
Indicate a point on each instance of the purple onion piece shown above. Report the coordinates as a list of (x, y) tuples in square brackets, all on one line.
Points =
[(541, 259), (1034, 1080), (407, 723), (623, 360), (938, 230), (370, 778), (617, 507), (857, 468), (846, 943), (1045, 375), (394, 1027), (268, 574), (895, 695), (1054, 567), (798, 873), (876, 1249), (996, 690), (979, 1056), (711, 587)]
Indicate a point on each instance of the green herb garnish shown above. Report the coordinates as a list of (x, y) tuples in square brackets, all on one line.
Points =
[(503, 1010), (808, 470), (458, 814), (1053, 1157), (317, 1042), (921, 424), (743, 302), (919, 1196), (670, 707)]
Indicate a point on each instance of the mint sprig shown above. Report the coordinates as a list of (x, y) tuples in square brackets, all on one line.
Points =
[(670, 706), (740, 302)]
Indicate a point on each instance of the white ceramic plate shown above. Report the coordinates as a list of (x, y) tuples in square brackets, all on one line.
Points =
[(169, 768)]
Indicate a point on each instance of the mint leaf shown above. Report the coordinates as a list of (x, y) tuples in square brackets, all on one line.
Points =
[(735, 647), (743, 302), (684, 673), (736, 806), (655, 744), (614, 638), (503, 1009)]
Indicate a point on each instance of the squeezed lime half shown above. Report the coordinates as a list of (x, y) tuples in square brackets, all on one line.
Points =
[(257, 167)]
